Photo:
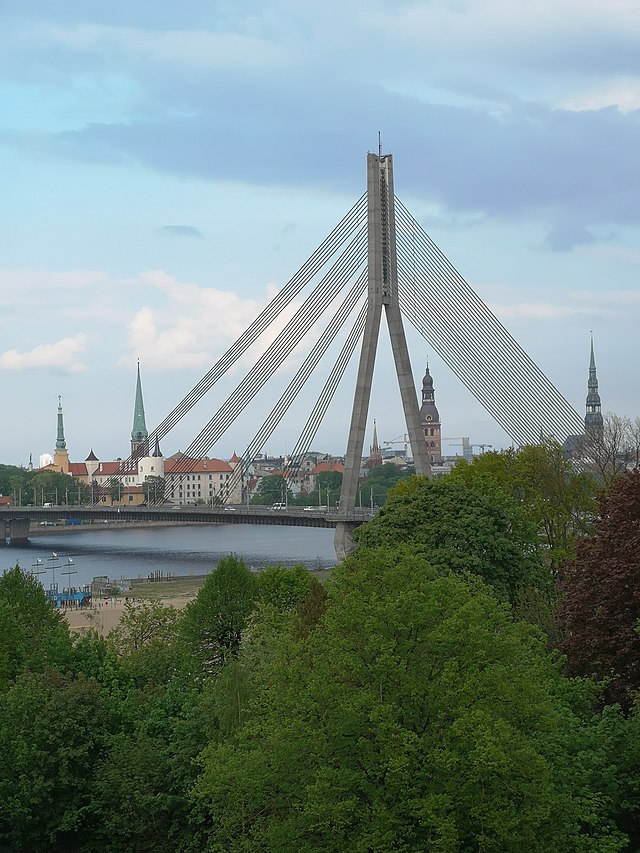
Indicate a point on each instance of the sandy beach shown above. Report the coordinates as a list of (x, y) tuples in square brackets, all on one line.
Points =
[(106, 614)]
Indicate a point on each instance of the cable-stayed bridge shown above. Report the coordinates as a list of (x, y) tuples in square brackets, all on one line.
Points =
[(378, 259)]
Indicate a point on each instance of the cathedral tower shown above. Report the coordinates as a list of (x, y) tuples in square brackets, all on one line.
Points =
[(61, 454), (430, 420), (139, 434), (593, 418)]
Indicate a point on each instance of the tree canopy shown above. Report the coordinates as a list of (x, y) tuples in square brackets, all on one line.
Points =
[(414, 716), (557, 498), (600, 607), (461, 528)]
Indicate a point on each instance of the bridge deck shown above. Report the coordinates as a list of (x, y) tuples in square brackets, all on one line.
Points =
[(290, 517)]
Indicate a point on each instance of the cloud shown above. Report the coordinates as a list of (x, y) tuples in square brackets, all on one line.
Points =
[(182, 231), (60, 356), (188, 328), (566, 236)]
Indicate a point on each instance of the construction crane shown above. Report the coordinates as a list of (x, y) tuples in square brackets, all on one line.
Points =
[(465, 444), (403, 440)]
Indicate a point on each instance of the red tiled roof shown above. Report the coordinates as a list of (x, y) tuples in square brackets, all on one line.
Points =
[(326, 467), (183, 465), (77, 469)]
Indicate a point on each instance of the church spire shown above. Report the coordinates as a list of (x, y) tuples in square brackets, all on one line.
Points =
[(60, 442), (375, 455), (593, 417), (139, 434), (60, 454)]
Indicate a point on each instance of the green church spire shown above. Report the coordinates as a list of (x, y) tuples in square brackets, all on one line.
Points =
[(61, 444), (139, 434)]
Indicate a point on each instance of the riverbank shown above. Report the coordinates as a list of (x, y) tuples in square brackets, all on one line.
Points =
[(105, 614), (37, 529)]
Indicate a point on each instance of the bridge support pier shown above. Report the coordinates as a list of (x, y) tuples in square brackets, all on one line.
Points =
[(14, 530), (343, 541)]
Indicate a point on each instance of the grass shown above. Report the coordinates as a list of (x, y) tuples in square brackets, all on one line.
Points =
[(186, 587)]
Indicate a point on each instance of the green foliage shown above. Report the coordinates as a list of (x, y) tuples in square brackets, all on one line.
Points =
[(32, 632), (382, 478), (142, 623), (272, 489), (212, 624), (461, 529), (154, 489), (415, 716), (53, 729), (558, 500), (329, 486), (284, 588)]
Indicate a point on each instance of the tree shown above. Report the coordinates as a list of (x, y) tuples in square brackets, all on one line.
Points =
[(600, 607), (53, 730), (612, 450), (461, 528), (213, 622), (328, 485), (272, 489), (154, 488), (284, 588), (115, 489), (558, 499), (142, 623), (32, 632), (382, 478), (415, 716)]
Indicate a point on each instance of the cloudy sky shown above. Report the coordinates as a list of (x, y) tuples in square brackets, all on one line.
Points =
[(167, 167)]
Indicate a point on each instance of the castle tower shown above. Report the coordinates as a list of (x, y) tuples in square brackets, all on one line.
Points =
[(151, 466), (61, 455), (430, 420), (593, 418), (139, 434), (375, 454)]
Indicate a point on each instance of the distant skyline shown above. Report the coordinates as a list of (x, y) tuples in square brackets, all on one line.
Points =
[(166, 168)]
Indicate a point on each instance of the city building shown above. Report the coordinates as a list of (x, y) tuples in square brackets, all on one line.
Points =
[(430, 419)]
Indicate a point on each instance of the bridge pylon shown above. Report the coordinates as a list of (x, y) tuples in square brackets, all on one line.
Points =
[(382, 293)]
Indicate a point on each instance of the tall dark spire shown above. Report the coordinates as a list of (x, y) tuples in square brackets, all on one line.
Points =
[(60, 454), (593, 417), (61, 444), (139, 434), (375, 454)]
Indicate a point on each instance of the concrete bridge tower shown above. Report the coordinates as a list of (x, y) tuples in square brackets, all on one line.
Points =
[(382, 293)]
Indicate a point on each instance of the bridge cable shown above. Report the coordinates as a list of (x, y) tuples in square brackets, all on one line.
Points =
[(532, 371), (464, 363), (326, 396), (529, 374), (297, 383), (495, 395), (289, 337)]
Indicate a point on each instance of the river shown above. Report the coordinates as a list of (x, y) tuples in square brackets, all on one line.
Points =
[(188, 550)]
